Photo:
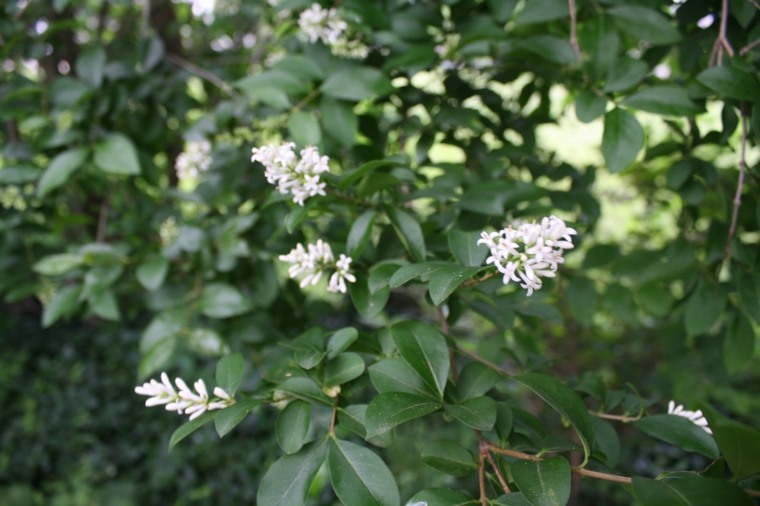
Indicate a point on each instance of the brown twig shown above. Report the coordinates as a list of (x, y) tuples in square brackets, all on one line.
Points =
[(482, 480), (513, 453), (721, 42), (484, 450), (753, 2), (484, 361), (617, 418), (472, 282), (574, 29), (749, 47), (739, 184), (333, 417), (202, 73)]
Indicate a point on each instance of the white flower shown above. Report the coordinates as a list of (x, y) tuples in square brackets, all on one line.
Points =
[(313, 263), (319, 24), (530, 251), (696, 417), (291, 175), (195, 159), (183, 400), (420, 503)]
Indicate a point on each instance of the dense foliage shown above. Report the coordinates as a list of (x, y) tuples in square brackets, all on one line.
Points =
[(385, 220)]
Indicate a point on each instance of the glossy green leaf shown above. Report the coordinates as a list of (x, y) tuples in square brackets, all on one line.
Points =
[(151, 273), (369, 304), (551, 48), (304, 128), (540, 11), (465, 248), (625, 73), (565, 402), (739, 444), (444, 281), (305, 389), (359, 477), (222, 300), (409, 232), (665, 100), (344, 368), (449, 457), (679, 431), (90, 66), (738, 344), (191, 426), (589, 106), (61, 168), (545, 482), (476, 379), (731, 82), (231, 416), (622, 140), (478, 413), (229, 372), (206, 341), (688, 491), (703, 309), (287, 482), (409, 272), (116, 154), (156, 357), (395, 375), (63, 304), (645, 23), (340, 340), (356, 84), (338, 121), (442, 497), (55, 265), (390, 409), (103, 303), (292, 427), (360, 233), (424, 348), (369, 167)]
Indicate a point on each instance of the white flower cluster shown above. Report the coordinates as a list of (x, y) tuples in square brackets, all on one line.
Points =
[(183, 400), (315, 259), (696, 417), (319, 24), (195, 159), (301, 178), (530, 251)]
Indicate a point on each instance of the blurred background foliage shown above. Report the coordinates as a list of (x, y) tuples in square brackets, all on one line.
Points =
[(116, 266)]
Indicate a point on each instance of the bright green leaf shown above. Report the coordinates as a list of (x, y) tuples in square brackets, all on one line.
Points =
[(409, 232), (444, 281), (359, 477), (60, 169), (424, 348), (116, 154), (356, 83), (229, 372), (221, 300), (304, 128), (292, 426), (622, 140), (545, 482), (188, 428), (360, 233), (152, 272), (55, 265), (679, 431), (344, 368), (395, 375), (231, 416), (287, 482)]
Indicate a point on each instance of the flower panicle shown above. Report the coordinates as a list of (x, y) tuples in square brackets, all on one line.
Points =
[(195, 159), (182, 399), (696, 417), (311, 262), (299, 177), (326, 25), (526, 252)]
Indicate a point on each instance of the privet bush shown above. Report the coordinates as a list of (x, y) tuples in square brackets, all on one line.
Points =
[(364, 210)]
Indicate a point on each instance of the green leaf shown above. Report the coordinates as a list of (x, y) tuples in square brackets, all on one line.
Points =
[(738, 443), (622, 140), (305, 389), (394, 408), (60, 169), (703, 309), (103, 304), (231, 416), (545, 482), (478, 413), (395, 375), (188, 428), (738, 344), (304, 128), (679, 431), (293, 426), (340, 341), (309, 348), (167, 325), (444, 496), (409, 272), (582, 299), (589, 106), (540, 11), (364, 170), (409, 232), (116, 154), (206, 341), (64, 303), (465, 248), (645, 24), (359, 477), (156, 357), (339, 121), (688, 491), (344, 368), (625, 73), (356, 83), (565, 402), (731, 82), (550, 48), (229, 372), (665, 100), (55, 265), (444, 281), (287, 481), (90, 65), (369, 304), (449, 457), (221, 300), (360, 233), (152, 272), (476, 379), (424, 348)]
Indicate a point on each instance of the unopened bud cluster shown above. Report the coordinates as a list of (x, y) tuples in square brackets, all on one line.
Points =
[(311, 262), (299, 177), (326, 25), (182, 399), (528, 252)]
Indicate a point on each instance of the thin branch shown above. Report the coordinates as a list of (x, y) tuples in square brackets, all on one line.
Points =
[(484, 361), (574, 29), (482, 480), (472, 282), (484, 445), (749, 47), (617, 418), (739, 184), (202, 73), (601, 476), (753, 2), (721, 42), (513, 453), (452, 353), (333, 417), (752, 493)]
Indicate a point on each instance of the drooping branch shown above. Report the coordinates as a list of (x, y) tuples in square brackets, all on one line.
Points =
[(721, 42), (574, 28), (739, 184)]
